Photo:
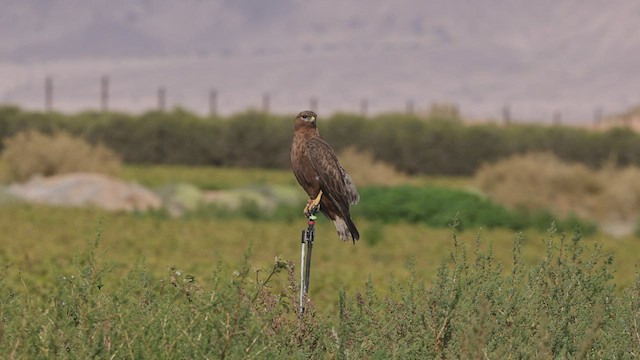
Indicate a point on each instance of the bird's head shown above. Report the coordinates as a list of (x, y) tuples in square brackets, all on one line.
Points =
[(307, 117)]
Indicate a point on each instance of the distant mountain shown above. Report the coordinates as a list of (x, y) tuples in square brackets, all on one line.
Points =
[(539, 57)]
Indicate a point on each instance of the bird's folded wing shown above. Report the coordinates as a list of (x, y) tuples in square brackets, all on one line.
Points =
[(335, 182)]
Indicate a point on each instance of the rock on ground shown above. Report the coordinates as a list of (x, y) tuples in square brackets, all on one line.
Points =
[(87, 189)]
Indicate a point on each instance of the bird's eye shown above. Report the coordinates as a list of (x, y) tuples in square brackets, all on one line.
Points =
[(304, 116)]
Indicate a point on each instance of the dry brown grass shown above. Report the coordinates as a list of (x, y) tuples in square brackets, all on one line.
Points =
[(31, 153), (620, 198), (365, 170), (542, 181)]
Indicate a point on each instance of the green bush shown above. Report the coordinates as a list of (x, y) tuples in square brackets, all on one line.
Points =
[(436, 206), (564, 307)]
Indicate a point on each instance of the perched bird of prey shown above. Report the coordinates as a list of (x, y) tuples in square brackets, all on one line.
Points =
[(316, 168)]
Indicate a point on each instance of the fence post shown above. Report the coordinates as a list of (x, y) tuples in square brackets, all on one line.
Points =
[(364, 107), (597, 117), (162, 98), (313, 104), (213, 102), (410, 107), (506, 115), (557, 118), (48, 93), (266, 102), (104, 93)]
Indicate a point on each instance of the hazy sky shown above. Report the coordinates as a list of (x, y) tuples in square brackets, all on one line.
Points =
[(539, 57)]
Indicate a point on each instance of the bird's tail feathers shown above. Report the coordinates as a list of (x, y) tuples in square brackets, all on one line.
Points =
[(346, 229)]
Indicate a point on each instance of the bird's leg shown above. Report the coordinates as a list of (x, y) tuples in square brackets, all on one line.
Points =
[(312, 205)]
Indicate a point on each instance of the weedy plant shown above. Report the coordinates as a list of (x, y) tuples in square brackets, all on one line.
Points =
[(564, 307)]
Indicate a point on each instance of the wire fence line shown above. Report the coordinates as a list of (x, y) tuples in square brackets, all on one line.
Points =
[(450, 109)]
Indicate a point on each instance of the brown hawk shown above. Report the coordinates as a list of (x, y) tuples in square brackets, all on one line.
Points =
[(316, 168)]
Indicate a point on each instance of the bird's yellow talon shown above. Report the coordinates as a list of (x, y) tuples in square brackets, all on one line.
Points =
[(312, 205)]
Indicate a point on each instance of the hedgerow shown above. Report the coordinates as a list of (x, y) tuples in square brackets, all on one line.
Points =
[(413, 144), (566, 306)]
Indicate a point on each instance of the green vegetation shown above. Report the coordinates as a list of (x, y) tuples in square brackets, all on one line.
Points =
[(206, 177), (428, 205), (564, 306), (432, 145), (436, 207), (156, 286)]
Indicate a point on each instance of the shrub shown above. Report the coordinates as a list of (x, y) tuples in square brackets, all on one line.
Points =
[(32, 153), (537, 181), (365, 170), (542, 181), (436, 206)]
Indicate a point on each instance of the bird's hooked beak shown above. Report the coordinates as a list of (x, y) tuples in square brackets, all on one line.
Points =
[(313, 119)]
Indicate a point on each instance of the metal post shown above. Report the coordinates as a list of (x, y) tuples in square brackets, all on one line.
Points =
[(305, 260), (307, 271), (302, 272)]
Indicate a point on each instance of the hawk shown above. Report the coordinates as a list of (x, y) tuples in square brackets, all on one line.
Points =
[(317, 170)]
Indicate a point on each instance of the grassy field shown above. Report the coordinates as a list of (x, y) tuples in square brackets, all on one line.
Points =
[(39, 242), (206, 178), (215, 178), (80, 283)]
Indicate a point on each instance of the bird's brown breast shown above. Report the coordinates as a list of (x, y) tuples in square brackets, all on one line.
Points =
[(301, 165)]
